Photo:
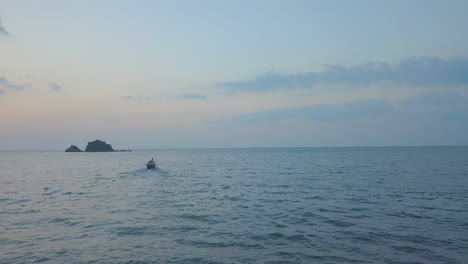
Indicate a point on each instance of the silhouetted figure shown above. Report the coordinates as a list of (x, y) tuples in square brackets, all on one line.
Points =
[(151, 164)]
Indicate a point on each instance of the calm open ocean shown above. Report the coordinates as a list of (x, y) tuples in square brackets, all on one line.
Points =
[(284, 205)]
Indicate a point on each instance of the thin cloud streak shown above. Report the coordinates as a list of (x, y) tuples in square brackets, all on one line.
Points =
[(193, 97), (3, 30), (7, 84), (422, 71), (54, 87), (135, 98), (164, 97)]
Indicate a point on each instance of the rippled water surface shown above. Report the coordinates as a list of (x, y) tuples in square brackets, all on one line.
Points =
[(288, 205)]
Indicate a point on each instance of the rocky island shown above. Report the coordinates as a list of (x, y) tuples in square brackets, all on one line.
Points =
[(94, 146), (73, 148), (98, 146)]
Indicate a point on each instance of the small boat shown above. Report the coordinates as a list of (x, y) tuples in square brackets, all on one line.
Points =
[(151, 164)]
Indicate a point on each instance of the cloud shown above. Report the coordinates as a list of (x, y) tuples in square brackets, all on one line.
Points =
[(414, 71), (3, 30), (54, 87), (321, 113), (165, 97), (7, 84), (272, 81), (437, 99), (1, 92), (193, 97), (135, 98)]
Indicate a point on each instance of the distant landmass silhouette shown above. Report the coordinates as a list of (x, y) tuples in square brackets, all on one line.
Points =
[(73, 148), (98, 146), (93, 146)]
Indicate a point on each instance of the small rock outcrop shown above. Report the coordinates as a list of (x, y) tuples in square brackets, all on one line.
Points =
[(73, 148), (98, 146)]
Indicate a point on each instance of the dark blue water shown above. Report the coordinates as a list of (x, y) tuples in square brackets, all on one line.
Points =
[(289, 205)]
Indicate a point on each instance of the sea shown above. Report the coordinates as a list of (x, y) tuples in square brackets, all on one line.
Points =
[(245, 205)]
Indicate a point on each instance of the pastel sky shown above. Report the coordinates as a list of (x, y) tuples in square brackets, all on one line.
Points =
[(157, 74)]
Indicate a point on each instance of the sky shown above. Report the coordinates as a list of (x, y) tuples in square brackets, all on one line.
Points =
[(175, 74)]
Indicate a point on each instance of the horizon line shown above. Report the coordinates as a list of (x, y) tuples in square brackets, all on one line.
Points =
[(264, 147)]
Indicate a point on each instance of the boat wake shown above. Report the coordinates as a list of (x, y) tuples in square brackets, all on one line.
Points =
[(142, 172)]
